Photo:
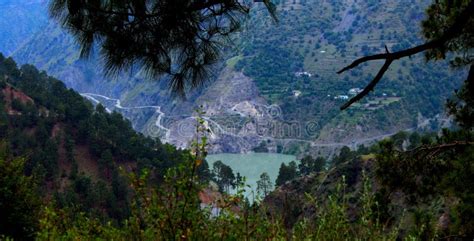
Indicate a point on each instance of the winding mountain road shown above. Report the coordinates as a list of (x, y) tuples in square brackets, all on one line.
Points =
[(158, 123), (217, 129)]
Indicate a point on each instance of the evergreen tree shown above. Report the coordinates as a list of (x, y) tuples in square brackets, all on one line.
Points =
[(203, 172), (438, 165), (264, 185), (177, 38), (106, 163), (239, 180), (224, 176), (345, 155), (19, 199), (286, 173), (309, 165)]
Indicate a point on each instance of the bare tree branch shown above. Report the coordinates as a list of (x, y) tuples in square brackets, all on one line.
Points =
[(452, 32), (431, 151)]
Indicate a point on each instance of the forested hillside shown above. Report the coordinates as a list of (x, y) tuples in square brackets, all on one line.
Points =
[(293, 64), (72, 149), (397, 165)]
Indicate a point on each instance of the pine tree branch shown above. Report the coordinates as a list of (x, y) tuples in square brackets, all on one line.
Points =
[(452, 32)]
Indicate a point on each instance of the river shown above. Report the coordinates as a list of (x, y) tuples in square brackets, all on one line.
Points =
[(251, 165)]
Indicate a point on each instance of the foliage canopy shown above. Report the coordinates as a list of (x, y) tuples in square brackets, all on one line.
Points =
[(178, 38)]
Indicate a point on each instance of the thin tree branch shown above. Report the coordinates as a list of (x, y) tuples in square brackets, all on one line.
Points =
[(430, 151), (444, 146), (371, 85), (452, 32), (392, 56)]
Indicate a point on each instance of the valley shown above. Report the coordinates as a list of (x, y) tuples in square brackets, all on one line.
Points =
[(236, 120), (277, 89), (259, 114)]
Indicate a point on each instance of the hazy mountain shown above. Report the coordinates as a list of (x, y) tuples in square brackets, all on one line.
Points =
[(278, 87), (19, 21)]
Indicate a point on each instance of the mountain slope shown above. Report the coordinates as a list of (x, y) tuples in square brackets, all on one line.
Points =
[(292, 66), (19, 21), (295, 62), (72, 149)]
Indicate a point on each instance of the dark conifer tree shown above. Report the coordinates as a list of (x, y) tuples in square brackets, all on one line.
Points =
[(178, 38)]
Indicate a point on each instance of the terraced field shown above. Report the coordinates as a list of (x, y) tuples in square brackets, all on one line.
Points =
[(321, 37)]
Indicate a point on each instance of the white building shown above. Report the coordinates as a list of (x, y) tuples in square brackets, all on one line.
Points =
[(341, 97), (354, 91), (296, 93), (304, 73)]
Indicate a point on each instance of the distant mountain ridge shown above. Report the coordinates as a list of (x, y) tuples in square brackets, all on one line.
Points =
[(315, 38)]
